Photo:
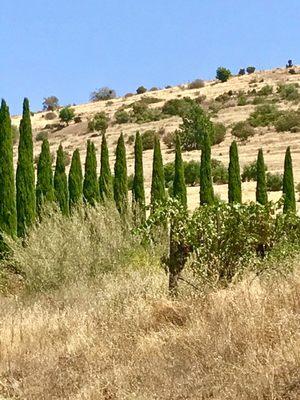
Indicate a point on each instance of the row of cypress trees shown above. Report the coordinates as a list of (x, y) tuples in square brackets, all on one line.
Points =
[(22, 202)]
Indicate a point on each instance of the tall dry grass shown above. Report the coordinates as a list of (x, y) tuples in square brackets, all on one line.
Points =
[(119, 336)]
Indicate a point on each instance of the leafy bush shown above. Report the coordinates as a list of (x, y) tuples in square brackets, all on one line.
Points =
[(141, 90), (288, 121), (196, 84), (289, 92), (249, 172), (67, 114), (219, 172), (223, 74), (242, 71), (50, 103), (99, 123), (150, 100), (141, 113), (219, 133), (243, 130), (264, 115), (41, 136), (242, 100), (169, 139), (265, 90), (250, 70), (103, 93), (274, 182), (122, 116), (50, 116), (148, 139), (178, 107)]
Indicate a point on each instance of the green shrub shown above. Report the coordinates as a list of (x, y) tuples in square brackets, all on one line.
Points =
[(274, 182), (141, 113), (99, 123), (122, 116), (178, 107), (192, 172), (219, 132), (41, 136), (288, 121), (150, 100), (223, 74), (242, 71), (196, 84), (249, 172), (289, 92), (250, 70), (169, 140), (265, 90), (264, 115), (141, 90), (67, 114), (242, 100), (219, 172), (243, 130), (148, 139)]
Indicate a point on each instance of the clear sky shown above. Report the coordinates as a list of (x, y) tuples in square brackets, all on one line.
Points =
[(68, 48)]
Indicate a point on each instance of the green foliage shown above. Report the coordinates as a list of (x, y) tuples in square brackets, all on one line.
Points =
[(44, 184), (8, 212), (219, 172), (103, 93), (206, 186), (105, 179), (90, 182), (265, 90), (25, 179), (250, 70), (196, 84), (41, 136), (61, 183), (141, 113), (120, 178), (223, 74), (50, 103), (147, 138), (274, 182), (288, 184), (242, 71), (288, 121), (264, 115), (99, 123), (192, 172), (50, 116), (242, 130), (122, 116), (138, 190), (288, 92), (179, 188), (234, 177), (250, 172), (260, 171), (219, 133), (242, 100), (158, 193), (66, 114), (180, 107), (141, 90), (75, 182)]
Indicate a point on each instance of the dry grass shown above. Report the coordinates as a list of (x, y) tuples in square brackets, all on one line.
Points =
[(120, 337)]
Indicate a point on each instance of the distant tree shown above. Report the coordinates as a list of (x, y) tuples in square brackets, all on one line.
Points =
[(99, 122), (242, 71), (67, 114), (50, 103), (141, 90), (105, 178), (44, 184), (25, 179), (288, 184), (75, 181), (138, 190), (261, 187), (120, 179), (179, 187), (90, 183), (61, 182), (250, 70), (223, 74), (8, 211), (206, 184), (158, 192), (289, 64), (103, 93), (234, 176)]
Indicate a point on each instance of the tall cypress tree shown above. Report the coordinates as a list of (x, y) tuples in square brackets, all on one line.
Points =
[(25, 181), (206, 185), (8, 211), (75, 181), (179, 187), (105, 178), (90, 183), (120, 179), (158, 191), (61, 183), (138, 190), (261, 186), (44, 184), (288, 184), (234, 177)]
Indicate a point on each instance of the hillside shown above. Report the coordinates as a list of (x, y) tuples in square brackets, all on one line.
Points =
[(273, 143)]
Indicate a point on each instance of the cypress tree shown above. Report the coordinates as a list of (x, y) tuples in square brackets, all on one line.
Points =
[(75, 181), (206, 185), (90, 183), (179, 187), (105, 178), (8, 211), (234, 177), (60, 182), (138, 190), (25, 179), (44, 184), (288, 184), (158, 192), (261, 186), (120, 179)]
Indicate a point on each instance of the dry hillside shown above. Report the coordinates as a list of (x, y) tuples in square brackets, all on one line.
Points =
[(272, 142)]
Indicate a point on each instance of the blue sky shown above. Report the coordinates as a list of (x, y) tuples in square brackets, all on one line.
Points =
[(68, 48)]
